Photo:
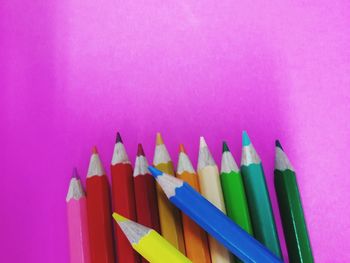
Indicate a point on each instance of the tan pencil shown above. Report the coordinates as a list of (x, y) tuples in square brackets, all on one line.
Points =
[(210, 187)]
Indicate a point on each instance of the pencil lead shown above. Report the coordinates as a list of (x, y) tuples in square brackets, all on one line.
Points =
[(245, 139), (154, 171), (119, 218), (119, 138), (278, 144), (94, 150), (182, 148), (75, 173), (159, 139), (225, 147), (140, 151), (202, 142)]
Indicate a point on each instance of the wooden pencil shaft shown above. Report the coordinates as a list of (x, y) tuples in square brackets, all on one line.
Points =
[(196, 242), (156, 249), (123, 200), (262, 218), (210, 187), (235, 200), (292, 215), (99, 220), (219, 226), (78, 231), (169, 216)]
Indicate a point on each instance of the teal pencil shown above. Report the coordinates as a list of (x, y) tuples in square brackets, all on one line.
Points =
[(259, 203)]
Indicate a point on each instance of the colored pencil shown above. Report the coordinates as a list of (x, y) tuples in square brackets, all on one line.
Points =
[(258, 197), (123, 199), (233, 190), (169, 216), (213, 220), (145, 193), (99, 212), (292, 214), (149, 243), (77, 222), (196, 242), (210, 187)]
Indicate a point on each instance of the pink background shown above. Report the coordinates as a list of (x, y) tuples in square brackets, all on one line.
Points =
[(73, 72)]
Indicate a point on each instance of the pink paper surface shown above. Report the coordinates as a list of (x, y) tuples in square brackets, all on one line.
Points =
[(72, 73)]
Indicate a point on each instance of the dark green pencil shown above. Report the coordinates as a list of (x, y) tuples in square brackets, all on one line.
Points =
[(292, 215)]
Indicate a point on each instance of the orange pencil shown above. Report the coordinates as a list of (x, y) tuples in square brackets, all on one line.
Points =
[(196, 242), (99, 212)]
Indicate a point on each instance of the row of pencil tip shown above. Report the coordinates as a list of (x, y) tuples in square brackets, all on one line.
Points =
[(222, 212)]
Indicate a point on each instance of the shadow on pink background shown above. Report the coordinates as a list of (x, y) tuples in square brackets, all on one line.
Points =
[(72, 73)]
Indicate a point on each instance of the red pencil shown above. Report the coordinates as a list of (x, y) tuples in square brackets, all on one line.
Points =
[(145, 193), (123, 199), (99, 212)]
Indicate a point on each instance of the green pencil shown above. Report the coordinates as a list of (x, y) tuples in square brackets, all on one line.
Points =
[(258, 198), (292, 215), (233, 189)]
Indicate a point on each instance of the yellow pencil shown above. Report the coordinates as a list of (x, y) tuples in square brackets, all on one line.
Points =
[(169, 216), (152, 246)]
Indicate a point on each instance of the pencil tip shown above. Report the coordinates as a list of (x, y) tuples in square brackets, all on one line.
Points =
[(94, 150), (75, 173), (278, 144), (225, 147), (202, 142), (119, 138), (159, 139), (119, 218), (140, 151), (245, 139), (182, 148), (154, 171)]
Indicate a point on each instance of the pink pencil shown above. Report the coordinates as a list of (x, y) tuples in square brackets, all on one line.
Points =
[(77, 222)]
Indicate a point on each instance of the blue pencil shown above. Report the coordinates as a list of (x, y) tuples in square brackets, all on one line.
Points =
[(212, 220)]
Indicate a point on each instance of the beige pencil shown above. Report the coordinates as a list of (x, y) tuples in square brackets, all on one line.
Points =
[(210, 187)]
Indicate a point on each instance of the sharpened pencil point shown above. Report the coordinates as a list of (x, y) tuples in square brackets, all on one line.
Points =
[(140, 151), (159, 139), (225, 147), (118, 218), (75, 173), (118, 138), (245, 139), (202, 142), (154, 171), (94, 150), (182, 148), (278, 144)]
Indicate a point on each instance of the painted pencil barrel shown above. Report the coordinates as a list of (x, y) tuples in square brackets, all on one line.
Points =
[(292, 215), (217, 224), (260, 207), (146, 201), (196, 241), (78, 231), (99, 222), (156, 249), (235, 200), (169, 216), (123, 201)]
